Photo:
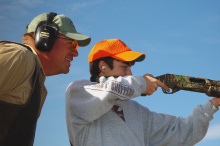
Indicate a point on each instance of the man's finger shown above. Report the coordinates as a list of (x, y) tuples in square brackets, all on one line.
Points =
[(162, 85)]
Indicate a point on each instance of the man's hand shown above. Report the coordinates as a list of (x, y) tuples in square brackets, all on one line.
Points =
[(152, 84), (216, 102)]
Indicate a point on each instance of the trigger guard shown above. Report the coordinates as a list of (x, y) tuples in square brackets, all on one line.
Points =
[(165, 91), (172, 91)]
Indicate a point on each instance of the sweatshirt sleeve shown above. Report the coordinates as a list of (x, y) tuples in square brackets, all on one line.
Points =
[(171, 130), (87, 101)]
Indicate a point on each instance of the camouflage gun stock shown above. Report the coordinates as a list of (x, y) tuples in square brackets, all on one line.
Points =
[(178, 82)]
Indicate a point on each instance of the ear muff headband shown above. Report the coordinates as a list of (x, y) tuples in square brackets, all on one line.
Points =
[(46, 33)]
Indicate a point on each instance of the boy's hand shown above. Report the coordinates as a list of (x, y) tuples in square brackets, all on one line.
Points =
[(152, 84)]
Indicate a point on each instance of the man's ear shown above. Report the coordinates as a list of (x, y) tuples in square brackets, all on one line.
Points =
[(102, 66)]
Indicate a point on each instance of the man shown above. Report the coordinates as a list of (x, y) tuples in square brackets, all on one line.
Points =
[(101, 113), (49, 45)]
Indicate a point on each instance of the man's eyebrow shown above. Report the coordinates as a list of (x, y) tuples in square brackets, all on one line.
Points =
[(129, 63)]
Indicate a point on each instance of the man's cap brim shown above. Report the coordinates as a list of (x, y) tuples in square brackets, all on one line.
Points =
[(82, 39), (130, 56)]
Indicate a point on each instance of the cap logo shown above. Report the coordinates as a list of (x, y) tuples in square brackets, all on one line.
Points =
[(71, 23)]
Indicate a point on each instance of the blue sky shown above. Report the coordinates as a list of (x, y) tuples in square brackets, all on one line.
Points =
[(178, 37)]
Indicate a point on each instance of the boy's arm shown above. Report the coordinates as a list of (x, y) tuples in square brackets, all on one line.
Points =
[(88, 101)]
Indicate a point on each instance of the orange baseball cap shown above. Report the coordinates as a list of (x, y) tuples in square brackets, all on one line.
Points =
[(114, 48)]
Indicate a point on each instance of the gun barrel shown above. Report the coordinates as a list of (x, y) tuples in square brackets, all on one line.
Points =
[(179, 82)]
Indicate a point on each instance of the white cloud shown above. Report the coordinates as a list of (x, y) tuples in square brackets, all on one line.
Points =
[(213, 132)]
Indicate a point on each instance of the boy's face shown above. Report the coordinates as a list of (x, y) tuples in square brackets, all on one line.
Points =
[(119, 69)]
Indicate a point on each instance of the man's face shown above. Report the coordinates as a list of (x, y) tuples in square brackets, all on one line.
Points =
[(62, 54), (119, 69)]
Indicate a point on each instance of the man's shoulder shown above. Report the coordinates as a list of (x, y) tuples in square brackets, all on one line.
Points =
[(10, 46), (17, 54), (14, 45)]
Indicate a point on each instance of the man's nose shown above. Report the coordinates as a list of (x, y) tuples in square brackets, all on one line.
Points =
[(129, 72), (75, 53)]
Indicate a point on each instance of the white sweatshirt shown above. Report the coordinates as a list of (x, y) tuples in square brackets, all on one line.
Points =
[(92, 122)]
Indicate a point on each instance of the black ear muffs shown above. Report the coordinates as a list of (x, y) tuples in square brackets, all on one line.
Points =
[(46, 34)]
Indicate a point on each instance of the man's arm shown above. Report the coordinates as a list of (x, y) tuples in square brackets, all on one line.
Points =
[(90, 100), (163, 129)]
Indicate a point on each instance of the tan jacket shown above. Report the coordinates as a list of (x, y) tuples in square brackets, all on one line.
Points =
[(17, 65)]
